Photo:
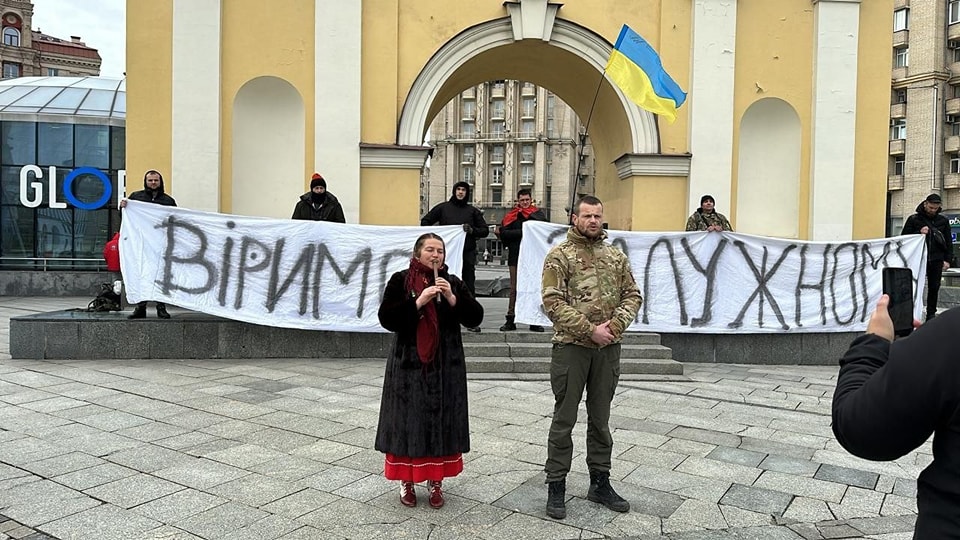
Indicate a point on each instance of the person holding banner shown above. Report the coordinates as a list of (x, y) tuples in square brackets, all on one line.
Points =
[(152, 192), (318, 204), (706, 218), (589, 293), (936, 229), (892, 396), (424, 425), (510, 232), (459, 211)]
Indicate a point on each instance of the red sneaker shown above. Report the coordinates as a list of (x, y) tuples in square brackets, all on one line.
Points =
[(436, 494), (408, 495)]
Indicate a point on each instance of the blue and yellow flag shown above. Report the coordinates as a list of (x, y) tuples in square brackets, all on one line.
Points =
[(635, 67)]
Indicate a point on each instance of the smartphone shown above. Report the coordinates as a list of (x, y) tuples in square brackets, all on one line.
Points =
[(898, 285)]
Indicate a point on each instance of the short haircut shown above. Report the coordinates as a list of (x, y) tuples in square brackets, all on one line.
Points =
[(524, 191), (417, 247), (586, 199)]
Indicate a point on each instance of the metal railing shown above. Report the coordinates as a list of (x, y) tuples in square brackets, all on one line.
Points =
[(46, 264)]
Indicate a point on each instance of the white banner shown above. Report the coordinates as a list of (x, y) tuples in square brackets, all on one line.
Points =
[(736, 283), (287, 273)]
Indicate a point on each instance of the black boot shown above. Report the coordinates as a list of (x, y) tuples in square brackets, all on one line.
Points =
[(557, 499), (139, 312), (536, 328), (162, 311), (508, 326), (602, 492)]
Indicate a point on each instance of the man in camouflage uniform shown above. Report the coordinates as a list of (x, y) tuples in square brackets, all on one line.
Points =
[(706, 218), (590, 295)]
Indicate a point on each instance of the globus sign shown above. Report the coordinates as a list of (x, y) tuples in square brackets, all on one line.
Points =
[(35, 187)]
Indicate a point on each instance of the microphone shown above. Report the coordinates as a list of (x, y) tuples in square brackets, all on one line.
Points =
[(435, 278)]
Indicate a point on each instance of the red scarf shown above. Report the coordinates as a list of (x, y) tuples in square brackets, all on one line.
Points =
[(515, 213), (419, 277)]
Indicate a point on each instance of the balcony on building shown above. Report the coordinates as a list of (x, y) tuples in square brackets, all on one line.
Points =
[(897, 147), (469, 93), (951, 144), (898, 110), (528, 89), (498, 89), (900, 4), (901, 38), (951, 181), (953, 31), (899, 73), (952, 106), (894, 182)]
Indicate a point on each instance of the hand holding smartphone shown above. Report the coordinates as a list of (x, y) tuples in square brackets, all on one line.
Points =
[(898, 285)]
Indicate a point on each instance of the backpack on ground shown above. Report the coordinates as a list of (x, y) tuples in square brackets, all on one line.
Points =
[(106, 300)]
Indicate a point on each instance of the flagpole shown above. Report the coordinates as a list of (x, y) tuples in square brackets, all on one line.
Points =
[(582, 140)]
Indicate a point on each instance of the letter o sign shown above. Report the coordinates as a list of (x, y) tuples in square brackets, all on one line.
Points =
[(72, 199)]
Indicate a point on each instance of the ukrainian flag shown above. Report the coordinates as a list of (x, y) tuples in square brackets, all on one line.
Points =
[(635, 67)]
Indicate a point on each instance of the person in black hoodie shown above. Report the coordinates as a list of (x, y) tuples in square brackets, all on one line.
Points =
[(892, 396), (318, 204), (928, 221), (152, 192), (459, 211)]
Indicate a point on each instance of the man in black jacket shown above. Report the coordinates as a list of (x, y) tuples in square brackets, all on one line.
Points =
[(459, 211), (318, 204), (928, 221), (510, 232), (152, 192), (892, 396)]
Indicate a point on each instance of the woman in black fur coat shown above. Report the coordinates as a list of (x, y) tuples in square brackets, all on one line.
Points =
[(424, 427)]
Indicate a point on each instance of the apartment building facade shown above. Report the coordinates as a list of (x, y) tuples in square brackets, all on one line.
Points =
[(502, 136), (25, 52)]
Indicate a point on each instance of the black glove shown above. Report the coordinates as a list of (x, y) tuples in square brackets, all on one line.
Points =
[(467, 228)]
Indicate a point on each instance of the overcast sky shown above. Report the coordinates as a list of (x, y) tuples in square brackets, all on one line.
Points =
[(99, 23)]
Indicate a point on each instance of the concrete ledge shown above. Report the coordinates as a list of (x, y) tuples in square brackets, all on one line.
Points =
[(53, 282), (766, 349)]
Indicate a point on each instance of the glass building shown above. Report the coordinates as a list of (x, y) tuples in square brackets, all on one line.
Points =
[(62, 151)]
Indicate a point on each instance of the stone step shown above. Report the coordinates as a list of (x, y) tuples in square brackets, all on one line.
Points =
[(628, 366), (526, 336), (542, 350)]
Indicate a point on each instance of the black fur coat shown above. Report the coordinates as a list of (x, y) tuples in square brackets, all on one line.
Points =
[(423, 409)]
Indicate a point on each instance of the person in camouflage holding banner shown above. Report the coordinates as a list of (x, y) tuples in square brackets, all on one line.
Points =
[(591, 297), (706, 218)]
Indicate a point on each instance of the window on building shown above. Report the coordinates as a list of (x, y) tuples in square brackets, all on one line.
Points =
[(527, 153), (496, 196), (526, 174), (469, 154), (955, 164), (53, 72), (498, 109), (898, 165), (496, 153), (953, 11), (498, 128), (548, 174), (529, 107), (11, 36), (953, 127), (469, 129), (11, 70), (467, 174), (468, 109), (496, 175), (898, 128), (527, 128), (901, 19), (901, 57), (900, 95)]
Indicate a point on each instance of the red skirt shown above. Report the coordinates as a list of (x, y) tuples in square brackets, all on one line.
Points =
[(421, 469)]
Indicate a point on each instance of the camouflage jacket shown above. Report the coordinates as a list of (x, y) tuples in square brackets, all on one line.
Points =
[(585, 283), (699, 221)]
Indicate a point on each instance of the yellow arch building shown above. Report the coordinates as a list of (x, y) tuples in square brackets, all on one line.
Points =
[(785, 124)]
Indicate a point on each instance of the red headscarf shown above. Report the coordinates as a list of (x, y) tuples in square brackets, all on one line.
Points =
[(419, 277), (513, 214)]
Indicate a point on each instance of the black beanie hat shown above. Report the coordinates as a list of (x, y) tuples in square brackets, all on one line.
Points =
[(934, 198), (706, 198), (317, 180)]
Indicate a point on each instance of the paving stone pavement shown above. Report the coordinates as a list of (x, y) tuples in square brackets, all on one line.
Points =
[(283, 449)]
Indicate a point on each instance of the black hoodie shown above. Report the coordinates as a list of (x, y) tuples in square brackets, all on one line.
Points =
[(939, 243), (155, 196), (459, 212)]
